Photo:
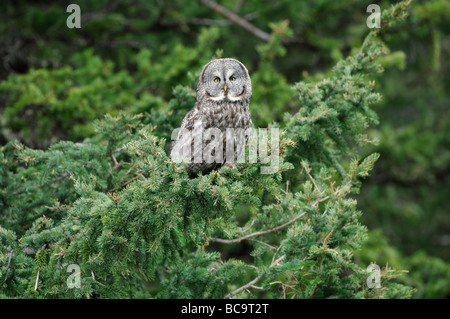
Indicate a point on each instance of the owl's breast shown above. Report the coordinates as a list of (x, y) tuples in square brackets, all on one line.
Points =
[(230, 115)]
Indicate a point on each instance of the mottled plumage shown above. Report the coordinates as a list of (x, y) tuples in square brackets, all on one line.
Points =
[(223, 97)]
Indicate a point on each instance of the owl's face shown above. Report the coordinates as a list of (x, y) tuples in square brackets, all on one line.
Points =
[(226, 79)]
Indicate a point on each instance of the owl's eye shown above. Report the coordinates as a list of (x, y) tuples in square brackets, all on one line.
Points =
[(232, 78), (216, 79)]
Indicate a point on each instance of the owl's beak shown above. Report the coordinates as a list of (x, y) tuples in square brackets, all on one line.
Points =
[(225, 87)]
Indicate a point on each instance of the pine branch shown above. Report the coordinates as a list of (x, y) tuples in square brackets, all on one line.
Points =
[(10, 255), (259, 233), (218, 23), (237, 20), (252, 283), (37, 279)]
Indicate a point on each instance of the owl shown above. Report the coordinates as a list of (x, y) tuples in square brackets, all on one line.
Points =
[(215, 131)]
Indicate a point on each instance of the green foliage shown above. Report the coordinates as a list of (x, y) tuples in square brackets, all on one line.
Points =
[(408, 192), (78, 187), (270, 89), (62, 103)]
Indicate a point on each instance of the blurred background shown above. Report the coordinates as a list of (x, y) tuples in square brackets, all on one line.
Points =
[(130, 56)]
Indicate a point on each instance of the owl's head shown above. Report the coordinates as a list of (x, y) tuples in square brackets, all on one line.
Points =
[(225, 80)]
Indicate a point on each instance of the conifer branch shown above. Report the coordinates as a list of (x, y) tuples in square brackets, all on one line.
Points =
[(237, 20), (246, 286), (10, 255), (37, 279), (259, 233), (57, 179), (252, 283), (126, 183)]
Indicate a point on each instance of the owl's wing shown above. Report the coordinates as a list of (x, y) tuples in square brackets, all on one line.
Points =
[(182, 147), (190, 118)]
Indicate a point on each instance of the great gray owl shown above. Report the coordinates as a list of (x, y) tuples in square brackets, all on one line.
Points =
[(220, 117)]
